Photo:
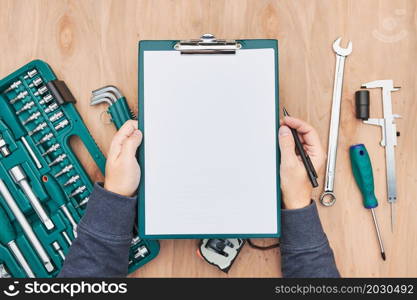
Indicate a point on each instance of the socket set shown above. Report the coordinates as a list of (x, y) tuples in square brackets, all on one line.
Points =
[(44, 188)]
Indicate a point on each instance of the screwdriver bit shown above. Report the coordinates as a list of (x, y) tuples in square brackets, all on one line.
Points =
[(64, 170), (51, 108), (46, 99), (72, 180), (78, 191), (61, 124), (56, 116), (13, 86), (32, 117), (45, 138), (20, 96), (38, 128), (25, 107), (36, 82), (51, 149), (31, 74), (57, 160), (83, 202), (42, 90)]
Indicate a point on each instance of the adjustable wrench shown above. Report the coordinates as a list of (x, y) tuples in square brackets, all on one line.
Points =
[(328, 197)]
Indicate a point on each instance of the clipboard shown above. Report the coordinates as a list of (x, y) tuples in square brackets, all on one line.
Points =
[(162, 206)]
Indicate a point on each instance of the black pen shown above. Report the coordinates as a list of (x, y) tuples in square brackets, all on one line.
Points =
[(311, 172)]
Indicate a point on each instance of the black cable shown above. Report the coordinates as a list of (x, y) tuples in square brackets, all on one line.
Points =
[(263, 248)]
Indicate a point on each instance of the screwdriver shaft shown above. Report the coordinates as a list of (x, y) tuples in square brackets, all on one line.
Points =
[(381, 245)]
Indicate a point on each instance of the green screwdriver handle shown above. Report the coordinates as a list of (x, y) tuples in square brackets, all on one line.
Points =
[(7, 233), (362, 171)]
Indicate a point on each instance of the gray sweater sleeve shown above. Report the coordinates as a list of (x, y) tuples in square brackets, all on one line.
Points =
[(305, 250), (104, 236), (105, 233)]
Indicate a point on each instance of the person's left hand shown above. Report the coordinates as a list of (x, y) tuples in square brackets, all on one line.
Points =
[(122, 168)]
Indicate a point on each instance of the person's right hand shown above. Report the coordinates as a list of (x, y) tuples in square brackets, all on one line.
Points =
[(295, 184), (122, 168)]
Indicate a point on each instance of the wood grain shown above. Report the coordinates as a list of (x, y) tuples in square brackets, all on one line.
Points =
[(93, 43)]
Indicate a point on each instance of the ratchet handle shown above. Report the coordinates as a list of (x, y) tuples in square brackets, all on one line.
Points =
[(362, 171)]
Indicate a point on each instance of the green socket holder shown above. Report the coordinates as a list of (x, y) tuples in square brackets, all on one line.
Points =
[(37, 120)]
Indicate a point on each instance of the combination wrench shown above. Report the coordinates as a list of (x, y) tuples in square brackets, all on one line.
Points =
[(328, 197)]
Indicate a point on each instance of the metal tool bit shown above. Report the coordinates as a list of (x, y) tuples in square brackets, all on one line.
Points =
[(58, 249), (51, 108), (135, 240), (45, 138), (56, 116), (39, 127), (19, 178), (32, 117), (51, 149), (25, 107), (67, 213), (31, 153), (72, 180), (3, 272), (46, 99), (78, 191), (31, 74), (13, 86), (61, 124), (27, 229), (83, 202), (328, 198), (36, 82), (42, 90), (65, 235), (20, 96), (3, 147), (64, 170), (57, 160), (141, 252)]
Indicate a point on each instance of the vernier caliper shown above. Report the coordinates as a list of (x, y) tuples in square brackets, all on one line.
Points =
[(389, 136)]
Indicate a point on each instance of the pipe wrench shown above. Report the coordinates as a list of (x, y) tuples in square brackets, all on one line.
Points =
[(328, 197)]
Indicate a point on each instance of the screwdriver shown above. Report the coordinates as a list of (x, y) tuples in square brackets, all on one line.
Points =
[(362, 171), (8, 237)]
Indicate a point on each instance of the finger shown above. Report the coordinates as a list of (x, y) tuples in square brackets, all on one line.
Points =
[(124, 132), (309, 134), (287, 145), (131, 144)]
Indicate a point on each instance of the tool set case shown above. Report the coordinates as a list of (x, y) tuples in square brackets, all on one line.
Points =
[(43, 187)]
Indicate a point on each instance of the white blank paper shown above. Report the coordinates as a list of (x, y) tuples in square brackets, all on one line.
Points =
[(210, 143)]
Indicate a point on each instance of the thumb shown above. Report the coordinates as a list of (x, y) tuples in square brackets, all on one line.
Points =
[(132, 143), (287, 145)]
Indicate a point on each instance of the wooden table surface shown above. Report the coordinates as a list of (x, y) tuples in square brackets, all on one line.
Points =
[(94, 43)]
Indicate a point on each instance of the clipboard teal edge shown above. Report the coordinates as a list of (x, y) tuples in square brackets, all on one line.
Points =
[(164, 45)]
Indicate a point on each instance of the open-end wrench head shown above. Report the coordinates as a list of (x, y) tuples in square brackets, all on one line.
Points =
[(342, 51)]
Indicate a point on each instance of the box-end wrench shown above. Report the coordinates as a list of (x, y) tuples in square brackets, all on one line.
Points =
[(328, 197)]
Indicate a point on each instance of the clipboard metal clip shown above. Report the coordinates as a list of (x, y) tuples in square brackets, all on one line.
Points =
[(208, 44)]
